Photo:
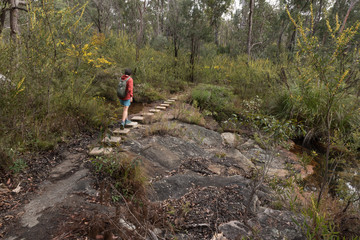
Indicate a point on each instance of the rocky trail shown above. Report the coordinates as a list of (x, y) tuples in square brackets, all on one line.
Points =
[(200, 186)]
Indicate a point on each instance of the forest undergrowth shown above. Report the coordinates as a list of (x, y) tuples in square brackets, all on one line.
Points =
[(58, 79)]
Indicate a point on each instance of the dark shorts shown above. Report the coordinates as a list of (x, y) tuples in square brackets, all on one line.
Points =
[(125, 103)]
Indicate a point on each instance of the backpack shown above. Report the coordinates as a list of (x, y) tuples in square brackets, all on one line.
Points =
[(121, 89)]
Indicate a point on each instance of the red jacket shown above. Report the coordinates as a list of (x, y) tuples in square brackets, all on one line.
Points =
[(129, 87)]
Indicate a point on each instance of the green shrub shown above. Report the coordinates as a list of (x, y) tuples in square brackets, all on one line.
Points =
[(218, 100), (145, 92), (247, 79), (308, 106), (188, 114), (124, 171)]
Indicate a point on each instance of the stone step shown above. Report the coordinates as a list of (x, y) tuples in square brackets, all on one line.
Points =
[(137, 119), (161, 107), (168, 102), (118, 132), (165, 105), (171, 100), (148, 114), (112, 140), (154, 110), (98, 151), (174, 98), (131, 125)]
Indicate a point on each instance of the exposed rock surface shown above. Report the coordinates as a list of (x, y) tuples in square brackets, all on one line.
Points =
[(200, 178), (204, 184)]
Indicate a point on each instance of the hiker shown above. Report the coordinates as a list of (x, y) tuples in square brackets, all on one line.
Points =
[(125, 94)]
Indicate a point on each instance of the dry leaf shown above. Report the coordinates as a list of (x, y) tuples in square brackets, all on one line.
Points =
[(17, 189)]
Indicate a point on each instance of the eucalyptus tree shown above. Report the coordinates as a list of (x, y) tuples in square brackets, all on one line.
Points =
[(265, 23), (174, 24), (250, 21), (196, 29), (252, 29), (13, 7), (101, 13), (296, 8), (3, 6), (158, 9), (214, 9), (346, 11)]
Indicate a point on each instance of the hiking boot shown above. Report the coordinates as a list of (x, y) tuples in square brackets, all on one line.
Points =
[(127, 122), (122, 125)]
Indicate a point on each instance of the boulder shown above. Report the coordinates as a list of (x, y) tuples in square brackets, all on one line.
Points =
[(230, 139), (234, 230)]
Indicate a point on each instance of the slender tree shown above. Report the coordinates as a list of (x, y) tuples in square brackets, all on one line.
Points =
[(352, 4), (140, 27), (214, 9), (250, 22), (3, 5), (196, 28), (14, 15), (174, 24)]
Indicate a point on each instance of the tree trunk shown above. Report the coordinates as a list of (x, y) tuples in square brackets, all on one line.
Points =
[(216, 34), (318, 17), (176, 45), (352, 4), (280, 38), (139, 37), (14, 14), (99, 25), (291, 45), (161, 27), (192, 58), (2, 19), (157, 31), (251, 12)]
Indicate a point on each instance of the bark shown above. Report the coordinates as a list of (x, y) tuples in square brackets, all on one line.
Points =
[(318, 16), (139, 38), (162, 16), (192, 58), (216, 34), (2, 19), (251, 12), (176, 45), (280, 37), (157, 22), (352, 4), (14, 15), (174, 27), (99, 25), (292, 42)]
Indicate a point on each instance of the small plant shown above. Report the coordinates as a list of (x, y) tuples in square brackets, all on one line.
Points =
[(218, 100), (306, 159), (147, 93), (317, 225), (18, 166), (125, 172), (189, 114), (220, 155), (164, 129)]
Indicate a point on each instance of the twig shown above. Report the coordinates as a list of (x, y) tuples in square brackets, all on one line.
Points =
[(195, 225), (128, 208), (13, 8), (119, 228)]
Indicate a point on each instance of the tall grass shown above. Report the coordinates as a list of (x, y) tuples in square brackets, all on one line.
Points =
[(308, 106)]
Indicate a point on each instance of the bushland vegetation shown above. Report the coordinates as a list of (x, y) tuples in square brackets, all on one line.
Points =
[(290, 70)]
